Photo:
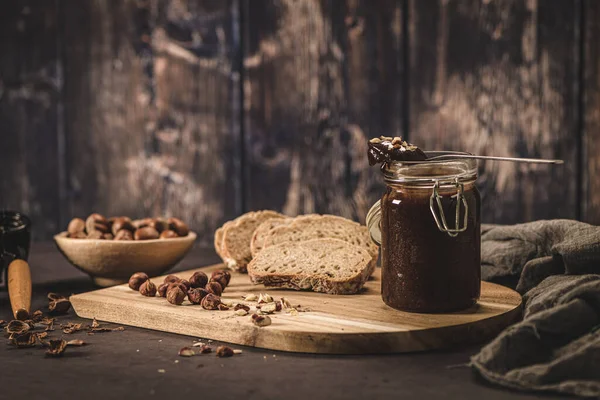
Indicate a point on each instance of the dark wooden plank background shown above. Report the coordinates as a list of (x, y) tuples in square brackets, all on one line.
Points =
[(204, 109)]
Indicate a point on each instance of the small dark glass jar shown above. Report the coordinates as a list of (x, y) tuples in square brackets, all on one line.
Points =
[(428, 225), (15, 234)]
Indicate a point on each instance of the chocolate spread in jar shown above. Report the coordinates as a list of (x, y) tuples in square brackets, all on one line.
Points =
[(423, 268)]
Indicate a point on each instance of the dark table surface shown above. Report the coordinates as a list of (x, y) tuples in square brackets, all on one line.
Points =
[(126, 364)]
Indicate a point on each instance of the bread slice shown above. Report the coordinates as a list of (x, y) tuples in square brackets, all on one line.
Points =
[(258, 237), (235, 243), (321, 226), (323, 265)]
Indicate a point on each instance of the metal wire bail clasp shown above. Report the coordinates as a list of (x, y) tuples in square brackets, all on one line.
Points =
[(441, 219)]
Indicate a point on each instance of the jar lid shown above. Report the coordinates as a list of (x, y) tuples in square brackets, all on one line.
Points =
[(429, 172)]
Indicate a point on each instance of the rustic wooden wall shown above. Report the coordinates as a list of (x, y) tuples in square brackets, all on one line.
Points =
[(206, 108)]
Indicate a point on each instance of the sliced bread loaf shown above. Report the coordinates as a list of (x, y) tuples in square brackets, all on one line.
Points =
[(234, 247), (323, 265), (258, 237), (321, 226)]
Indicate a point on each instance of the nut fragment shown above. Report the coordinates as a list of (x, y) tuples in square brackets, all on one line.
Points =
[(261, 320), (177, 225), (26, 339), (265, 298), (241, 312), (198, 279), (175, 295), (77, 225), (56, 348), (168, 234), (250, 297), (148, 289), (240, 306), (223, 307), (205, 349), (187, 352), (211, 302), (58, 304), (268, 308), (214, 288), (17, 327), (146, 233), (137, 280), (195, 295), (224, 351), (124, 234), (107, 236)]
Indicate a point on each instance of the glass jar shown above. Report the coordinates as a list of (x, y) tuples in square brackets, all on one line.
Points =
[(428, 226)]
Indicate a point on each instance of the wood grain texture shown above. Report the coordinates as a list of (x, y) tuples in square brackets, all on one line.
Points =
[(30, 90), (194, 162), (499, 78), (591, 117), (353, 324), (320, 78), (151, 110), (108, 105)]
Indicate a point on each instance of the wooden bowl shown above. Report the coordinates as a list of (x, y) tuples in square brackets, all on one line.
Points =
[(112, 262)]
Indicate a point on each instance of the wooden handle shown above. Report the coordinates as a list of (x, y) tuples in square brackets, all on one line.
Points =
[(19, 288)]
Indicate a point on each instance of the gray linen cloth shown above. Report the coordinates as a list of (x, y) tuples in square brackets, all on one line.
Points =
[(557, 345)]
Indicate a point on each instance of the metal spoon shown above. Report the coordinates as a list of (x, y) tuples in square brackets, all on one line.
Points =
[(513, 159)]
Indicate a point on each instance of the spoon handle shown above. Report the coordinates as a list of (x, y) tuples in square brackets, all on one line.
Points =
[(513, 159)]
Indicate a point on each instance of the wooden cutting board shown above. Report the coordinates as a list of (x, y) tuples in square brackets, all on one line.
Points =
[(333, 324)]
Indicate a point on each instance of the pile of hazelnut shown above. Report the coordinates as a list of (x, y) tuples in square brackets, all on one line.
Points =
[(97, 226), (199, 289)]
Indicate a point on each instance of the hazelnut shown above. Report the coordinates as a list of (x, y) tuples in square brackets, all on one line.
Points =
[(198, 280), (96, 222), (195, 295), (261, 320), (177, 225), (223, 277), (171, 278), (137, 279), (211, 302), (145, 233), (107, 236), (175, 295), (141, 223), (148, 289), (121, 223), (77, 235), (224, 351), (95, 235), (185, 283), (124, 234), (168, 234), (76, 225), (214, 288), (160, 224), (178, 284), (162, 290)]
